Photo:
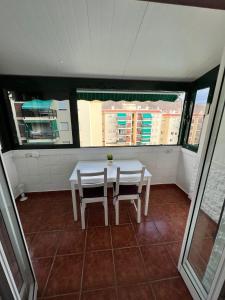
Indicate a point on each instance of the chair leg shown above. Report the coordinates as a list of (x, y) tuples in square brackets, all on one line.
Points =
[(117, 211), (105, 203), (82, 210), (139, 210)]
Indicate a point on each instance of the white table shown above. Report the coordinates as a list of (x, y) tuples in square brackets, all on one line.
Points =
[(99, 165)]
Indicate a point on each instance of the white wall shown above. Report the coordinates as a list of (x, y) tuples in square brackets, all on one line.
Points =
[(11, 171), (52, 169), (186, 170)]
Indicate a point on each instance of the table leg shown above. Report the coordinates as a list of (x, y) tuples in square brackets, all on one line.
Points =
[(74, 201), (147, 193)]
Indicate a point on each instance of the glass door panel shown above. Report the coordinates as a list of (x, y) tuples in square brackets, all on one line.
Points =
[(208, 240), (202, 260), (10, 255), (15, 266)]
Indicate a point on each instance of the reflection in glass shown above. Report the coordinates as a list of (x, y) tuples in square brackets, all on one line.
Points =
[(11, 258), (209, 235)]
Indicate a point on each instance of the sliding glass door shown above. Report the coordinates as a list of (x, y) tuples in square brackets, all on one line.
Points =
[(17, 279), (202, 261)]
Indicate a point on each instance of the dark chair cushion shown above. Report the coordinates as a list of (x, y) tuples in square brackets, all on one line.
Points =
[(93, 192), (127, 189)]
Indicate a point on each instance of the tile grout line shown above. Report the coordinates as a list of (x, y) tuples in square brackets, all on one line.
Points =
[(83, 264), (139, 247), (50, 271), (114, 266)]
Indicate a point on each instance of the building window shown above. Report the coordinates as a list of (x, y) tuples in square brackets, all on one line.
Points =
[(41, 122), (128, 123), (63, 105), (64, 126), (197, 119)]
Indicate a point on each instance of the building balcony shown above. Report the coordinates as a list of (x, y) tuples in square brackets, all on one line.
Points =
[(48, 135), (124, 126), (38, 109), (42, 114)]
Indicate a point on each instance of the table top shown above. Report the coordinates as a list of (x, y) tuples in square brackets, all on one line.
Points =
[(98, 166)]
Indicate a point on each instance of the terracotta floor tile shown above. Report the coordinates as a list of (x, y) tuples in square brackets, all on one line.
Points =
[(135, 292), (64, 297), (98, 238), (174, 251), (98, 270), (106, 294), (70, 223), (65, 276), (123, 236), (147, 233), (31, 223), (71, 241), (42, 268), (96, 216), (29, 239), (44, 244), (129, 266), (154, 258), (172, 289), (133, 215), (124, 217), (167, 232), (168, 210), (53, 222)]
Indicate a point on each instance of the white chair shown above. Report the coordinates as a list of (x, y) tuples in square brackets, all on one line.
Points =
[(128, 186), (92, 188)]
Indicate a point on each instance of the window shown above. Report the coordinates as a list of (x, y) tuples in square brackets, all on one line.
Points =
[(199, 111), (115, 120), (63, 105), (41, 121), (64, 126)]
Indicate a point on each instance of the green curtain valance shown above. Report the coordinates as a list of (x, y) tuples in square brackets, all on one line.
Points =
[(106, 96)]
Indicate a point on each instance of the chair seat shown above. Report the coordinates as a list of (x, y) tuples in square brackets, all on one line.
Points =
[(127, 189), (93, 192)]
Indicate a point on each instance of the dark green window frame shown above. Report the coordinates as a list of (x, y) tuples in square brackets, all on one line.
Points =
[(65, 88), (208, 80)]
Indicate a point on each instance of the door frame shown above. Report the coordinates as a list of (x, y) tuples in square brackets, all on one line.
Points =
[(217, 108), (18, 241)]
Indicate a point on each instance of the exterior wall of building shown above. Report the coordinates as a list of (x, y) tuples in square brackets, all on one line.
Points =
[(90, 123), (96, 123), (195, 130), (62, 119), (64, 122), (170, 128), (110, 129)]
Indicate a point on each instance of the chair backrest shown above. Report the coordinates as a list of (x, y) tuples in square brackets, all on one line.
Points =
[(89, 180), (134, 177)]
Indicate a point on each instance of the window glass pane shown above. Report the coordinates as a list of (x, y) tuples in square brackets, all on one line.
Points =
[(41, 121), (198, 116), (127, 123), (9, 252)]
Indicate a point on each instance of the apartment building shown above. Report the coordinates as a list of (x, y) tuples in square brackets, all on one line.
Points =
[(196, 127), (42, 122)]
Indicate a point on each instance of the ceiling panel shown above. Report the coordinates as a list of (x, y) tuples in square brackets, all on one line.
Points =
[(109, 38)]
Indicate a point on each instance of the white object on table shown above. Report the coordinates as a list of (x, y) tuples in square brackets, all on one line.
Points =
[(98, 166)]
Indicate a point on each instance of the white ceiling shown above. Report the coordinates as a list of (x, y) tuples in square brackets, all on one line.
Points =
[(109, 38)]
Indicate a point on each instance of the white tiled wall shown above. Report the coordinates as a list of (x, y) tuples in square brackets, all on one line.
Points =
[(11, 171), (187, 170), (51, 170)]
